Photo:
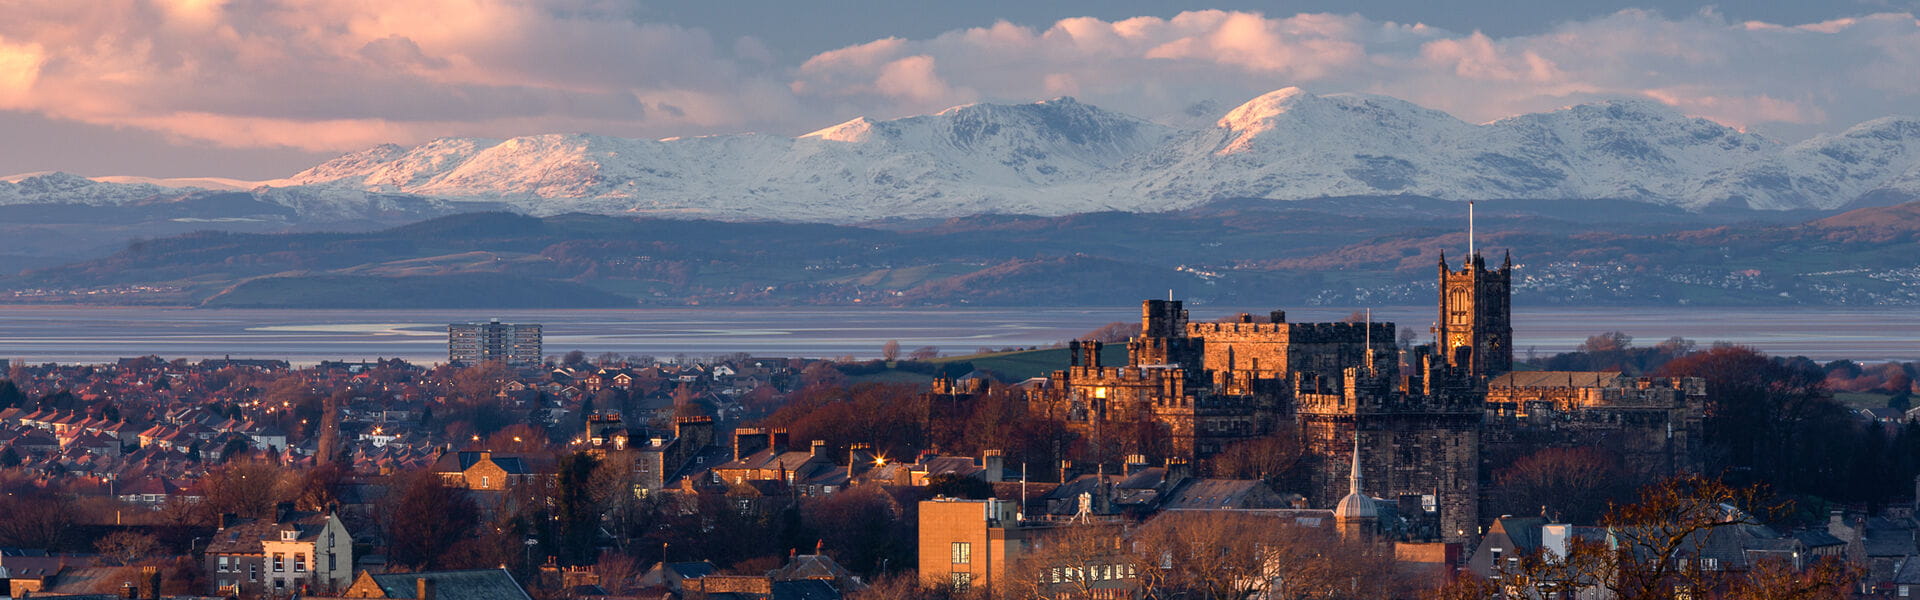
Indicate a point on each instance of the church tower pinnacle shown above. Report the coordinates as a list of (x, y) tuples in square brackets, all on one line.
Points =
[(1475, 329)]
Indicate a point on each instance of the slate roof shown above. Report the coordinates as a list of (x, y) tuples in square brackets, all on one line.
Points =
[(804, 589), (811, 566), (513, 464), (1223, 493), (245, 538), (476, 584)]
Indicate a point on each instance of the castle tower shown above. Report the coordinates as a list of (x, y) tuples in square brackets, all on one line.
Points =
[(1475, 330), (1357, 515)]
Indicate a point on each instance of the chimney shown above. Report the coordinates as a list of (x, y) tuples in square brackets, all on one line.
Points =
[(1136, 463), (1278, 316), (779, 441), (423, 589), (1073, 355), (1093, 354), (228, 520), (747, 441), (859, 456), (282, 511), (1178, 470), (153, 582), (1066, 471), (818, 446), (995, 464)]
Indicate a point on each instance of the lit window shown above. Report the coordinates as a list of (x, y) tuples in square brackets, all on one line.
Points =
[(962, 553), (962, 582)]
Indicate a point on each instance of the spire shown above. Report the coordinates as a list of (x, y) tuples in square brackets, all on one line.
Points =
[(1354, 479)]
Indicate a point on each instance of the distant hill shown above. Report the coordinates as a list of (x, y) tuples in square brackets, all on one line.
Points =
[(463, 290), (1335, 252)]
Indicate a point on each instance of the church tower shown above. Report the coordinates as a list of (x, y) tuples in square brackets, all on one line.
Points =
[(1475, 330)]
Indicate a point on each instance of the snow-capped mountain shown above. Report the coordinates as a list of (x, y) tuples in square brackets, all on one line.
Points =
[(1063, 157)]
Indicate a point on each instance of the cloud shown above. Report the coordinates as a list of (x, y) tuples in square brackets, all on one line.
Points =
[(1796, 80), (326, 75), (340, 75)]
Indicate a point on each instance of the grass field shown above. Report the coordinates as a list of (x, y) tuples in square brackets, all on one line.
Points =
[(1862, 399)]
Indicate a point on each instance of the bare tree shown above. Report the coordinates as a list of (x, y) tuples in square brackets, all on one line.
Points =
[(1233, 556), (924, 353), (1653, 552), (1071, 561), (890, 351), (127, 547)]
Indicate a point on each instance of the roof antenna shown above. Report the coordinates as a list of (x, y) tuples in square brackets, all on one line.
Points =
[(1470, 251)]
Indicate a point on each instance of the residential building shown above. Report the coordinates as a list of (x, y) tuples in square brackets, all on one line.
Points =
[(510, 343), (966, 544), (294, 552)]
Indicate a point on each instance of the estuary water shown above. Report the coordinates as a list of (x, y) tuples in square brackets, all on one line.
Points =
[(94, 335)]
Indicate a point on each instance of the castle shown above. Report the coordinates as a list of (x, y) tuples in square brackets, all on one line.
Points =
[(1422, 422)]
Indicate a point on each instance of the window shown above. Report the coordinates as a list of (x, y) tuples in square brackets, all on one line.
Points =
[(1903, 591), (329, 539), (486, 481), (288, 535), (279, 562), (224, 565), (962, 582), (253, 572), (333, 562), (299, 562), (962, 553)]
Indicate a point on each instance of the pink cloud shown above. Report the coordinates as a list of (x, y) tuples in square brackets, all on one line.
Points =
[(338, 75)]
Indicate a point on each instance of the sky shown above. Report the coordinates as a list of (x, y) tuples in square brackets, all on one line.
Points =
[(264, 88)]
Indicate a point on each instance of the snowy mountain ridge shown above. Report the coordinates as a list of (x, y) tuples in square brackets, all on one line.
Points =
[(1063, 157)]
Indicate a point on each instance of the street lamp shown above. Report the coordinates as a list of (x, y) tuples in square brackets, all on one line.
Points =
[(530, 544)]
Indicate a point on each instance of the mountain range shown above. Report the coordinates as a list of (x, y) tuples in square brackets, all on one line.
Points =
[(1061, 157)]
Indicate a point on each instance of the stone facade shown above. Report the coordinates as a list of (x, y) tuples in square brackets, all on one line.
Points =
[(1652, 423), (1475, 329), (1195, 388)]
